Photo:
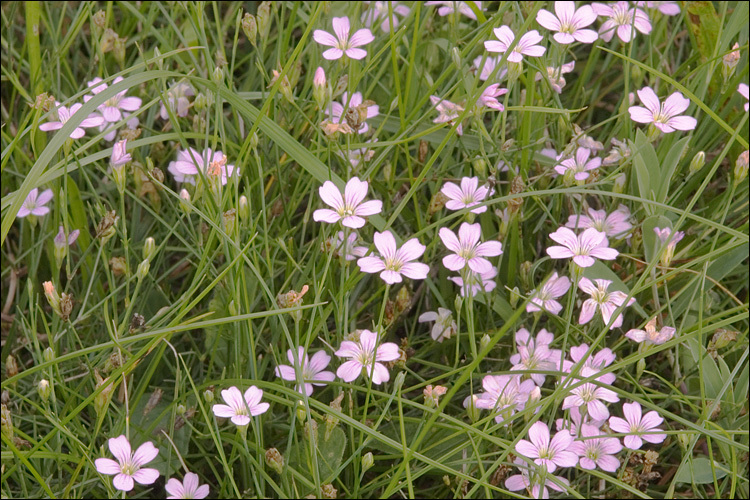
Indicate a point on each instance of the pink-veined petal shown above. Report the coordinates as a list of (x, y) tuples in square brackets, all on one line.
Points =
[(324, 38), (349, 370), (332, 54), (146, 476), (107, 466), (331, 195), (649, 99), (361, 37), (371, 264), (123, 482)]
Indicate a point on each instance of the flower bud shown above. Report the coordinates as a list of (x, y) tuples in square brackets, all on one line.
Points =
[(684, 439), (101, 400), (117, 266), (525, 274), (458, 301), (697, 162), (149, 247), (640, 365), (218, 75), (456, 57), (507, 145), (740, 168), (208, 396), (480, 166), (471, 408), (320, 88), (181, 409), (66, 306), (106, 227), (367, 461), (250, 27), (48, 355), (6, 422), (100, 19), (229, 221), (723, 338), (44, 389), (263, 17), (484, 342), (244, 209), (341, 86), (619, 186), (118, 49), (185, 201), (11, 366), (143, 269), (52, 296), (515, 296), (158, 59), (729, 63), (514, 71)]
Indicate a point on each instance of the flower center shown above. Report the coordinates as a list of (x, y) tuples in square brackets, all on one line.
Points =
[(592, 452), (393, 264), (600, 296), (621, 17), (587, 393), (112, 102), (346, 211), (365, 358), (128, 468), (567, 27)]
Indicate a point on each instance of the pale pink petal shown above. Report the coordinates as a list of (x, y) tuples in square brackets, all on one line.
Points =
[(559, 252), (564, 236), (325, 38), (341, 28), (331, 195), (415, 270), (348, 349), (489, 249), (526, 449), (378, 373), (391, 277), (683, 123), (640, 114), (107, 466), (539, 435), (649, 99), (548, 20), (332, 54), (349, 371), (450, 241), (356, 54), (385, 243), (361, 37), (130, 103), (371, 264), (146, 476), (326, 215), (145, 453), (123, 482)]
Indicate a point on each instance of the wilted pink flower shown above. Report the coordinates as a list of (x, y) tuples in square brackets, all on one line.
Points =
[(504, 395), (366, 356), (348, 209), (448, 112), (129, 466), (582, 248), (663, 116), (614, 225), (475, 283), (744, 92), (112, 108), (623, 19), (62, 242), (580, 165), (341, 43), (393, 261), (486, 69), (666, 237), (532, 482), (489, 97), (468, 251), (34, 203), (350, 251), (190, 161), (591, 396), (450, 7), (576, 420), (190, 487), (311, 369), (444, 326), (569, 22), (64, 114), (240, 408), (357, 155), (468, 195), (527, 45), (178, 102), (651, 335), (596, 451), (379, 10), (601, 299), (635, 425), (551, 454), (544, 299), (556, 79), (120, 156), (336, 111)]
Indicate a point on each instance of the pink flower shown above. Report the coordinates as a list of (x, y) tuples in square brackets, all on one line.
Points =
[(651, 335), (665, 235), (486, 69), (239, 407), (311, 369), (468, 251), (393, 262), (189, 162), (444, 326), (351, 252), (64, 114), (504, 394), (569, 22), (489, 97), (666, 8), (189, 488), (34, 203), (448, 112), (576, 420), (533, 483), (468, 195), (178, 102), (663, 116), (614, 225), (556, 80), (128, 467), (551, 454), (623, 19), (475, 283), (61, 241), (348, 208), (544, 299), (534, 354), (606, 302), (580, 166), (597, 451), (379, 10), (591, 396), (636, 425), (582, 248), (120, 156), (336, 111), (527, 45), (341, 43), (357, 155), (448, 8), (365, 356), (595, 363), (112, 108), (744, 92)]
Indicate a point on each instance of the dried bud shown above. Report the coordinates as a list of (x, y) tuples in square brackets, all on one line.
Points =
[(437, 202), (274, 460), (44, 389), (723, 338), (328, 491), (250, 27), (729, 63), (157, 175), (229, 217), (424, 147), (507, 145), (284, 86), (117, 266), (118, 50), (697, 162), (66, 305), (106, 227), (11, 366), (100, 19), (432, 395), (6, 422), (101, 400), (136, 323), (341, 86), (516, 186), (740, 168), (107, 41)]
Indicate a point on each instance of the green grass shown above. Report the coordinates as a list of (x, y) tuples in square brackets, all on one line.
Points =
[(210, 296)]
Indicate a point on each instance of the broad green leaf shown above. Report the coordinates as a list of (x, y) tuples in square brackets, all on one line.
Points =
[(668, 167), (651, 242), (703, 26), (699, 471), (647, 171)]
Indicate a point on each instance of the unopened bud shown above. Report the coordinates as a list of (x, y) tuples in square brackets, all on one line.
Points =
[(244, 209), (424, 147), (514, 70), (367, 461), (6, 422), (48, 355), (250, 27), (507, 145), (11, 366), (729, 63), (525, 273), (185, 201), (697, 162), (740, 168), (52, 296), (143, 269), (484, 342), (320, 88), (181, 409), (640, 366), (44, 389), (208, 396), (264, 19), (218, 75), (684, 439), (301, 411), (101, 400), (118, 49), (515, 296), (480, 166), (471, 408), (619, 186), (458, 301), (456, 57), (229, 221), (149, 247), (275, 460), (341, 85)]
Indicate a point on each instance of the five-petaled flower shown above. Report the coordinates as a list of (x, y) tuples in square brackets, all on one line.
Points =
[(489, 97), (393, 261), (535, 484), (651, 335), (64, 114), (556, 80), (444, 326), (190, 487), (468, 195), (120, 156), (178, 102), (34, 203), (129, 466), (239, 408), (569, 22), (591, 396), (310, 369), (467, 249), (367, 355), (580, 165), (449, 7), (544, 299), (623, 19), (601, 299), (597, 451), (583, 248), (744, 92), (448, 112), (665, 116), (379, 10), (615, 224), (637, 426), (504, 395), (527, 45), (549, 453), (348, 209), (112, 108), (342, 43), (212, 163), (666, 236)]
